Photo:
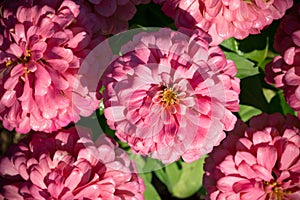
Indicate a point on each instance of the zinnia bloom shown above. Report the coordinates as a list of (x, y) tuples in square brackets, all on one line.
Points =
[(65, 166), (40, 54), (283, 71), (223, 19), (169, 95), (261, 161), (113, 15)]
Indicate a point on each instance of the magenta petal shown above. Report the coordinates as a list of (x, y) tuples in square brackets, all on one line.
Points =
[(226, 183), (74, 179), (79, 41), (116, 113), (290, 153), (59, 82), (90, 192), (60, 53), (58, 64), (17, 71), (57, 39), (20, 31), (244, 156), (37, 178), (246, 170), (46, 28), (261, 137), (9, 98), (11, 192), (243, 186), (15, 50), (262, 172), (38, 50), (255, 193), (7, 167), (267, 157), (106, 8), (43, 81), (125, 12)]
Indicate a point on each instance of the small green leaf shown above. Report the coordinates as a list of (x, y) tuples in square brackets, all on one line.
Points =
[(246, 112), (269, 94), (231, 44), (244, 66)]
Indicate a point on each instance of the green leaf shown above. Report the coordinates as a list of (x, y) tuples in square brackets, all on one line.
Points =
[(173, 173), (231, 44), (246, 112), (152, 165), (162, 176), (150, 193), (244, 66), (182, 179), (190, 180)]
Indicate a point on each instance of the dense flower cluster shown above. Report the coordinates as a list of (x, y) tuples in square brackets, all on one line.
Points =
[(169, 95), (223, 19), (283, 71), (63, 165), (257, 162), (40, 54)]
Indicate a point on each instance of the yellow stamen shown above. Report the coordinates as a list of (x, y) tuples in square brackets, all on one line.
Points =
[(169, 97), (278, 193)]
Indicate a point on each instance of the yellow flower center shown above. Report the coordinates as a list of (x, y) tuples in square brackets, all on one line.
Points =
[(278, 192), (169, 97), (24, 59)]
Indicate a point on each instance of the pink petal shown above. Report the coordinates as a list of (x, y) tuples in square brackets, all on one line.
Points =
[(290, 153), (261, 137), (43, 81), (9, 98), (59, 53), (46, 28), (267, 157), (58, 64), (244, 156), (15, 50), (115, 113), (246, 171), (225, 184), (37, 179)]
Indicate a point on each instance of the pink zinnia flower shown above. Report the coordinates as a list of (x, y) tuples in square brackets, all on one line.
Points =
[(113, 15), (261, 161), (170, 95), (223, 19), (39, 60), (65, 166), (283, 71)]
